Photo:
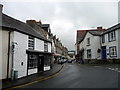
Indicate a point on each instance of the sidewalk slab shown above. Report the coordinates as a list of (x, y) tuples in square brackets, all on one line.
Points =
[(8, 83)]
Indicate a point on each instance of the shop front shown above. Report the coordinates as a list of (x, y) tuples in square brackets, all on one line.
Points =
[(38, 61)]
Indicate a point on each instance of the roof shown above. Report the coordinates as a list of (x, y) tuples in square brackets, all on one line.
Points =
[(13, 24), (80, 35), (44, 25), (115, 27)]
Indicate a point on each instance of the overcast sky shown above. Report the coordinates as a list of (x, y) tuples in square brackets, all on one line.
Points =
[(65, 17)]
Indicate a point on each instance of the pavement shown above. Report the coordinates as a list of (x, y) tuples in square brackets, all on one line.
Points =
[(31, 78)]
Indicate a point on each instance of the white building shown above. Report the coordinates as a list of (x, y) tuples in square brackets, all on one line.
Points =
[(24, 51), (110, 40), (90, 45)]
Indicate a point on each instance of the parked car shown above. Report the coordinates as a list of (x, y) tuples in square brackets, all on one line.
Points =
[(65, 60), (60, 61), (70, 61)]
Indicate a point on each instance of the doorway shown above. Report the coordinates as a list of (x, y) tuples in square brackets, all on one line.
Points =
[(40, 63), (103, 52)]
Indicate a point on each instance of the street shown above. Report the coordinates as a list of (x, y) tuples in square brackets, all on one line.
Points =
[(81, 76)]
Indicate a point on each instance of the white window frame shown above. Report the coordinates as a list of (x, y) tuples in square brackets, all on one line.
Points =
[(113, 51)]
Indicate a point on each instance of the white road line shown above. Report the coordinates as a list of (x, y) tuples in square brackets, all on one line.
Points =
[(114, 69)]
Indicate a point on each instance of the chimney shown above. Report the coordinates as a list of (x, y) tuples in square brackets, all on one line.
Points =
[(31, 23), (100, 29), (39, 22)]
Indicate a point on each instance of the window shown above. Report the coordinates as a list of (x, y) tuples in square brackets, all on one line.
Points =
[(89, 53), (31, 42), (47, 60), (88, 41), (103, 38), (112, 51), (45, 46), (111, 36), (32, 61)]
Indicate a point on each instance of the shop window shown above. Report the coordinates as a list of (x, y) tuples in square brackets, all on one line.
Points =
[(32, 62), (47, 60)]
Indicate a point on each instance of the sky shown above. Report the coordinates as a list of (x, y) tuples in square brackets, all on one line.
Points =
[(65, 16)]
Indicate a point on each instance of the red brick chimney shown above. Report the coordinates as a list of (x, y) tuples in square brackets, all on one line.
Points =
[(100, 29)]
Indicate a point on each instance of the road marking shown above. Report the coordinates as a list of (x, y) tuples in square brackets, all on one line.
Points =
[(39, 80), (114, 69)]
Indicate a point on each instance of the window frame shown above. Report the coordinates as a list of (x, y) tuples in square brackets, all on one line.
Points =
[(112, 36), (31, 42), (88, 41), (103, 38), (32, 62), (89, 53), (115, 51), (45, 46)]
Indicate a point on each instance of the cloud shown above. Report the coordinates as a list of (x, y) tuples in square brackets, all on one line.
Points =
[(65, 17)]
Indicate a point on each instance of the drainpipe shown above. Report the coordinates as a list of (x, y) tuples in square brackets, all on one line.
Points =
[(8, 54), (13, 49)]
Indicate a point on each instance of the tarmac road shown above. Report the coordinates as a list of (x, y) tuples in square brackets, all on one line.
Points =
[(81, 76)]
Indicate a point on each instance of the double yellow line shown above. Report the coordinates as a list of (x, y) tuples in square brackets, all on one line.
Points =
[(39, 80)]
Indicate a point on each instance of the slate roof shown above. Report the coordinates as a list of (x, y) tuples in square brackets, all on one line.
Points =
[(44, 25), (115, 27), (9, 22), (81, 33)]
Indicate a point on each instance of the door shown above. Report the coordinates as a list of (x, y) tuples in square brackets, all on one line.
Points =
[(40, 63), (104, 52)]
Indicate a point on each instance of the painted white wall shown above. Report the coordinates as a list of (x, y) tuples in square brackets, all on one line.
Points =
[(94, 46), (4, 53), (20, 53), (39, 45), (110, 44)]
